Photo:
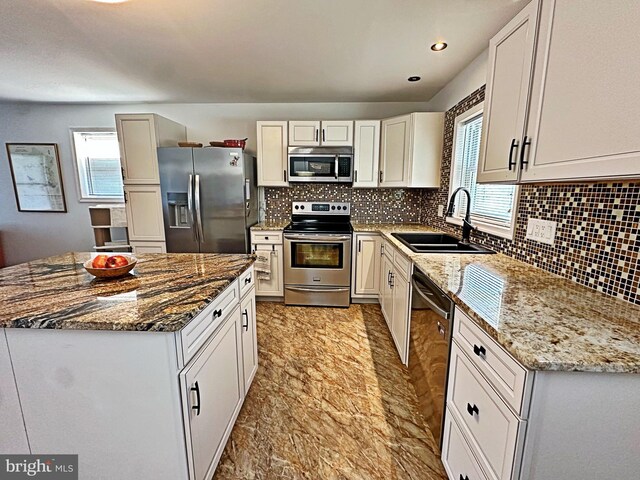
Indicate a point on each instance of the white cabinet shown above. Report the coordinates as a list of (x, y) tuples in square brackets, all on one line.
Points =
[(139, 135), (212, 393), (329, 133), (580, 122), (366, 153), (14, 437), (507, 95), (395, 297), (149, 247), (457, 458), (366, 267), (411, 150), (249, 338), (143, 205), (272, 154), (270, 243)]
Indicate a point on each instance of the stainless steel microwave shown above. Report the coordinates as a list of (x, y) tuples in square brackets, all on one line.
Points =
[(320, 164)]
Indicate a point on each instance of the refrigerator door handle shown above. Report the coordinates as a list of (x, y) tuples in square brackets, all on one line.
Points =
[(192, 219), (198, 210)]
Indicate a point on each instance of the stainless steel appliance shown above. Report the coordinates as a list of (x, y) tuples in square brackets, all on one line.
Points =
[(317, 255), (209, 199), (320, 164), (429, 344)]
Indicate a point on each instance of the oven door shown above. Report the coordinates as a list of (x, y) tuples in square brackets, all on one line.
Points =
[(317, 259)]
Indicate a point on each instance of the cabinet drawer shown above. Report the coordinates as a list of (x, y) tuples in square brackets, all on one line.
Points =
[(387, 249), (247, 280), (403, 264), (457, 458), (504, 373), (491, 427), (262, 237), (198, 330)]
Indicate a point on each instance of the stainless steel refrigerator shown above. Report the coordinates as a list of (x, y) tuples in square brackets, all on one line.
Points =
[(209, 199)]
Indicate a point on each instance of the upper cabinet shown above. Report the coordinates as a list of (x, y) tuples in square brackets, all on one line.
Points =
[(139, 135), (366, 153), (272, 154), (310, 133), (411, 150), (580, 117), (507, 94)]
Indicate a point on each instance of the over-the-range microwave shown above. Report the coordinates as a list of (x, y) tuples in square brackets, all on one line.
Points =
[(320, 164)]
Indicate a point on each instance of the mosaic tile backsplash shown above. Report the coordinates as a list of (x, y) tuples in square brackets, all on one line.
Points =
[(368, 205), (597, 242)]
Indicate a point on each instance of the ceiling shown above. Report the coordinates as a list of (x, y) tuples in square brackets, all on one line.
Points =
[(239, 50)]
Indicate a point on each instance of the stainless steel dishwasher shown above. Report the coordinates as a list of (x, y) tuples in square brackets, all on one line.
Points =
[(429, 343)]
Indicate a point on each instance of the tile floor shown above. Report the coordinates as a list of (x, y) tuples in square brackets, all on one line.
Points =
[(330, 400)]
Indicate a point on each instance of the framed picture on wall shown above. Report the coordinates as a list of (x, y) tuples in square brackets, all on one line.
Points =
[(36, 175)]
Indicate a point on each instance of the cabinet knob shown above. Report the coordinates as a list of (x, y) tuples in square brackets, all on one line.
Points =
[(472, 409), (464, 478), (217, 313), (247, 280), (479, 350)]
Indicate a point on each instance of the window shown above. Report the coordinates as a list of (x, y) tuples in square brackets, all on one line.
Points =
[(492, 205), (98, 164)]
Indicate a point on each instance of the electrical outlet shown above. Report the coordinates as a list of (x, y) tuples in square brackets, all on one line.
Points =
[(543, 231), (440, 210)]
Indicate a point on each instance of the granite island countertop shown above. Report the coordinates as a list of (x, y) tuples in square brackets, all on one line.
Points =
[(162, 293), (270, 225), (545, 321)]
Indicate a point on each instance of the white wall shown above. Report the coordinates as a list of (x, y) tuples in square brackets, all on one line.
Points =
[(468, 80), (27, 236)]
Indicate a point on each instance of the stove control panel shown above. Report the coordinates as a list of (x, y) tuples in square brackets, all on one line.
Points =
[(321, 208)]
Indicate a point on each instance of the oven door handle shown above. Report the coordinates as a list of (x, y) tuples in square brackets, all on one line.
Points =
[(317, 238), (321, 289)]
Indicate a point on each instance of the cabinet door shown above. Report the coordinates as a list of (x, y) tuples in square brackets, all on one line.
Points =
[(14, 437), (386, 291), (144, 212), (249, 338), (212, 392), (138, 143), (583, 121), (400, 316), (274, 287), (272, 154), (507, 95), (367, 266), (149, 247), (337, 133), (304, 133), (394, 160), (366, 153)]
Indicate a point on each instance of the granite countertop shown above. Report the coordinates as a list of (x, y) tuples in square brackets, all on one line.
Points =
[(162, 293), (270, 225), (545, 321)]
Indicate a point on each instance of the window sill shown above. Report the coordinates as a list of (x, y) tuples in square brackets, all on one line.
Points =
[(498, 231), (102, 200)]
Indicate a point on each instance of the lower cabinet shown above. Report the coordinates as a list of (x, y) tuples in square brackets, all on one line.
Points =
[(13, 439), (212, 392), (249, 339), (366, 265), (386, 291), (457, 458), (143, 205), (269, 244), (149, 247)]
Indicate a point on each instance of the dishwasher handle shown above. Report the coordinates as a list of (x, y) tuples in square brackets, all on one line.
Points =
[(436, 308)]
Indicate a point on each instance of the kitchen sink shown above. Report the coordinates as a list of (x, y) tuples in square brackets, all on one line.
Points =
[(438, 243)]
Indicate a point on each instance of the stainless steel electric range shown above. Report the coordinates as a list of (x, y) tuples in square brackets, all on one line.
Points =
[(317, 254)]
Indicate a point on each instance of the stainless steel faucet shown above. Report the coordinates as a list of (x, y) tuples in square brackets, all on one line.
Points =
[(466, 221)]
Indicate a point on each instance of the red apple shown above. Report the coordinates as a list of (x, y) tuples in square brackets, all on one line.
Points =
[(100, 261), (116, 261)]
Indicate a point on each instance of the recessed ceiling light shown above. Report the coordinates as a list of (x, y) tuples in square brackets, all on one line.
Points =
[(438, 46), (413, 79)]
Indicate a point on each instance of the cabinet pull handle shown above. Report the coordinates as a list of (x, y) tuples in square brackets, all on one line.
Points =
[(464, 478), (512, 163), (123, 175), (217, 313), (317, 134), (392, 277), (525, 142), (284, 175), (479, 350), (473, 409), (245, 314), (380, 176), (355, 176), (359, 245), (247, 280), (323, 135), (125, 197), (196, 388)]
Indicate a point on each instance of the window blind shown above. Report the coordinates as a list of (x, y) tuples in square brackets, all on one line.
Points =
[(491, 203)]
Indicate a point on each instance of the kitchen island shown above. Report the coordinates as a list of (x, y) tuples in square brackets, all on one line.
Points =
[(142, 377)]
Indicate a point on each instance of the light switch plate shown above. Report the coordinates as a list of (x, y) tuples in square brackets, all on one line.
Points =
[(543, 231)]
